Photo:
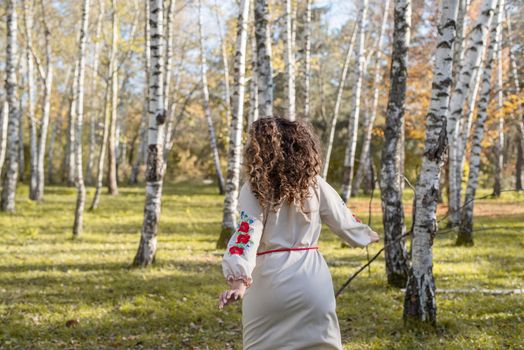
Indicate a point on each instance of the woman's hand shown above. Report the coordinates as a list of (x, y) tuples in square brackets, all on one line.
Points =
[(374, 237), (238, 288)]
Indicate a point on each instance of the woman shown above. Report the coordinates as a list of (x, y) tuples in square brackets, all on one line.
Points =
[(272, 260)]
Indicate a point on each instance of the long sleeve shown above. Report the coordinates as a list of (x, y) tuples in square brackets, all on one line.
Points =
[(239, 259), (337, 216)]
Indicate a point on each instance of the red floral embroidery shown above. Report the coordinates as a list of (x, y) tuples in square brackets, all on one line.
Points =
[(236, 250), (244, 239), (244, 227), (357, 219)]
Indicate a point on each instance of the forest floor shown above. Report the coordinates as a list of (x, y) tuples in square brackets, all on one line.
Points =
[(59, 293)]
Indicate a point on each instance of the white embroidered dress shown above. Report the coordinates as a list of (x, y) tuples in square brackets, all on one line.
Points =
[(290, 303)]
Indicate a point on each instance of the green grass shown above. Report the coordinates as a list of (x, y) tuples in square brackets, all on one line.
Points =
[(48, 279)]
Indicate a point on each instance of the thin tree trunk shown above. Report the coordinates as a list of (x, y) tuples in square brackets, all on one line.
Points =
[(338, 101), (47, 78), (11, 165), (169, 54), (349, 159), (235, 130), (518, 164), (71, 140), (307, 60), (21, 148), (520, 110), (94, 111), (419, 302), (112, 185), (33, 156), (397, 264), (147, 68), (499, 144), (227, 91), (365, 153), (253, 93), (79, 177), (472, 58), (465, 234), (207, 110), (264, 66), (157, 117), (290, 64)]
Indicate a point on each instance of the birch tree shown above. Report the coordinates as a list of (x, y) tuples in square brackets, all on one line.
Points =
[(499, 143), (307, 60), (349, 159), (33, 132), (225, 62), (112, 185), (472, 58), (253, 87), (46, 75), (207, 109), (71, 131), (264, 66), (235, 130), (157, 116), (10, 176), (465, 234), (79, 177), (365, 156), (419, 302), (147, 67), (290, 64), (93, 113), (391, 190), (338, 101)]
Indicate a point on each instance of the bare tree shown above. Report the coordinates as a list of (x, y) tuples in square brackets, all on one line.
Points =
[(157, 116), (397, 264), (253, 91), (93, 113), (207, 110), (465, 234), (235, 129), (338, 101), (11, 164), (112, 184), (307, 59), (499, 143), (472, 58), (79, 96), (365, 156), (290, 64), (419, 301), (264, 66), (4, 118)]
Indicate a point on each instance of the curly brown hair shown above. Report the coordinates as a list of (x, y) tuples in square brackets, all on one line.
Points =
[(281, 162)]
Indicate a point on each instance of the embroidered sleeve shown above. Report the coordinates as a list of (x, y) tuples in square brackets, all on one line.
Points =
[(239, 259), (339, 218)]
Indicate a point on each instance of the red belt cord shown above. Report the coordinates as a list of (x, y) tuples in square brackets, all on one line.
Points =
[(285, 250)]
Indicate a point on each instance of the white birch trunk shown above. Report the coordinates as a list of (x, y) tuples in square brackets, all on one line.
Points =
[(11, 164), (94, 110), (79, 177), (472, 57), (368, 128), (338, 101), (307, 60), (235, 130), (140, 159), (264, 65), (112, 184), (157, 117), (47, 77), (253, 93), (207, 110), (465, 234), (71, 131), (225, 61), (397, 264), (33, 133), (289, 56), (349, 159), (169, 54), (499, 144), (419, 302)]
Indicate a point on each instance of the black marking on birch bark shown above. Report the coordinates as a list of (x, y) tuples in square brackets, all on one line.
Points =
[(154, 163), (161, 117)]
